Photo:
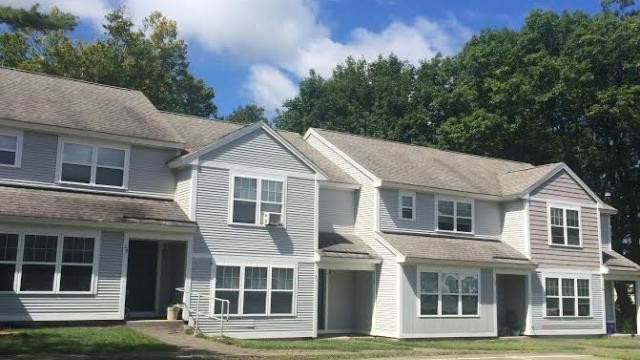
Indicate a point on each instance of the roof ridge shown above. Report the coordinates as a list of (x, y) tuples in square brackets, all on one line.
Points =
[(423, 147), (531, 168), (71, 79)]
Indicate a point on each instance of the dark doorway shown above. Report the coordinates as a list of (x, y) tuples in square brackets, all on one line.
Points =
[(141, 278), (511, 293), (322, 285)]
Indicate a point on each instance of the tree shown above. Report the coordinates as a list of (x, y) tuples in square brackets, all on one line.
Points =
[(247, 114), (32, 20), (151, 59)]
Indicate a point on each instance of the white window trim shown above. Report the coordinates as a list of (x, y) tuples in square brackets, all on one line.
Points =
[(241, 289), (455, 200), (258, 178), (58, 265), (412, 195), (441, 271), (560, 296), (19, 134), (564, 208), (94, 162)]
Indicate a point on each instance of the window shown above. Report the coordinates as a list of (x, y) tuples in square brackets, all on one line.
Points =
[(93, 165), (76, 272), (455, 215), (281, 291), (47, 263), (227, 287), (8, 260), (246, 207), (449, 293), (564, 226), (567, 297), (407, 205), (255, 290), (10, 148)]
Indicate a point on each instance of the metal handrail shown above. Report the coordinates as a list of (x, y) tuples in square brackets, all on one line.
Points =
[(222, 317)]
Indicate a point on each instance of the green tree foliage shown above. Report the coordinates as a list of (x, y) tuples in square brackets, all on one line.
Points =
[(565, 87), (151, 59), (33, 20), (247, 114)]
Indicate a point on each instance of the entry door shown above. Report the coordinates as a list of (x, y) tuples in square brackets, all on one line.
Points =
[(141, 277)]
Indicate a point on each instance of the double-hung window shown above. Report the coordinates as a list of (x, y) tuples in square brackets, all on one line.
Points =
[(93, 165), (47, 263), (455, 215), (255, 197), (407, 204), (8, 260), (10, 148), (564, 224), (449, 293), (255, 290), (567, 297)]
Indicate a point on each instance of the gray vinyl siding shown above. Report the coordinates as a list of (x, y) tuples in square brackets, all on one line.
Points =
[(218, 237), (609, 301), (513, 225), (39, 153), (149, 173), (562, 187), (183, 190), (104, 305), (201, 278), (541, 323), (544, 254), (487, 214), (299, 325), (385, 317), (415, 326), (605, 231), (258, 149), (337, 210)]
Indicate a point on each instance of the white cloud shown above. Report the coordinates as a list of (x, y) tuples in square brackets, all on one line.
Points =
[(269, 87), (285, 37)]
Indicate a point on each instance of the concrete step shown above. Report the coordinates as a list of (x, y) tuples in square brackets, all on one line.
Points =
[(176, 326)]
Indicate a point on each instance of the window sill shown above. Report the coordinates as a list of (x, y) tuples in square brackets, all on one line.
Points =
[(405, 219), (566, 246), (449, 316), (261, 316), (590, 317), (9, 166), (258, 226), (63, 293), (453, 232), (92, 186)]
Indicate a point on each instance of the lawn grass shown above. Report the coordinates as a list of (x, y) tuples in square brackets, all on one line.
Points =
[(77, 340), (611, 348)]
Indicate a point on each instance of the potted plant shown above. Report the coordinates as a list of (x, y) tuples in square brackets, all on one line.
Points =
[(173, 312)]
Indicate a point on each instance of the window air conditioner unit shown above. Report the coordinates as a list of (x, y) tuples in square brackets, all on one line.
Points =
[(271, 219)]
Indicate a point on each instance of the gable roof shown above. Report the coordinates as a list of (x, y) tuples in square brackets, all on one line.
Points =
[(198, 131), (74, 104), (618, 262), (407, 164), (333, 172)]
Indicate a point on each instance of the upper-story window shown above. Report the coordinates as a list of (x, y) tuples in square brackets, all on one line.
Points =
[(84, 163), (257, 201), (564, 226), (10, 148), (455, 215), (407, 202)]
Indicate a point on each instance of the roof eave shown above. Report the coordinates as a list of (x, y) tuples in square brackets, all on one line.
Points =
[(524, 265), (475, 195), (166, 226)]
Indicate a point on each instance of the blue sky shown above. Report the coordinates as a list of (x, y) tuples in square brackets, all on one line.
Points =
[(257, 51)]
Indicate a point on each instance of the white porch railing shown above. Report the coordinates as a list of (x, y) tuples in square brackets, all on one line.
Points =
[(196, 313)]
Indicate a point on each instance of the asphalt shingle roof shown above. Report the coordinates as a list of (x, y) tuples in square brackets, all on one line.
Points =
[(72, 205), (344, 245), (333, 172), (197, 131), (616, 261), (75, 104), (424, 247)]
